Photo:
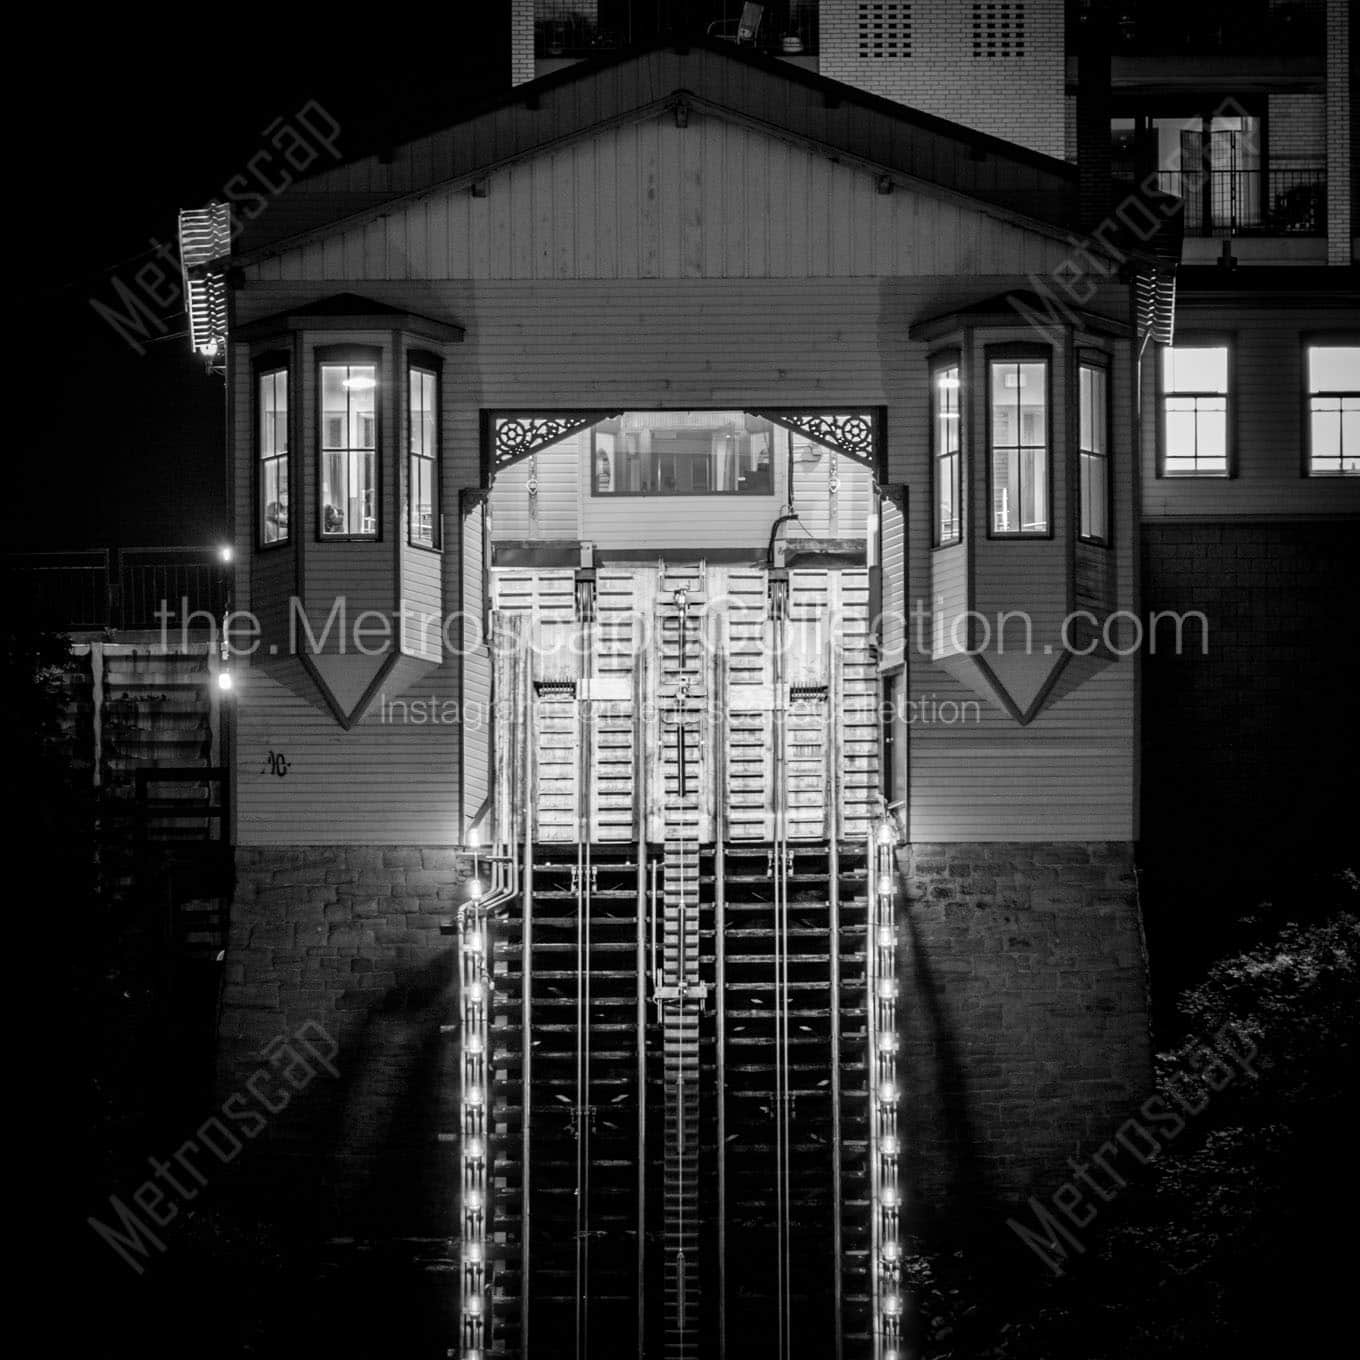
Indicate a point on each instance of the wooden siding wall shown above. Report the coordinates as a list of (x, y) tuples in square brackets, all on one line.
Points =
[(822, 514), (554, 511), (650, 200), (652, 268), (1268, 406)]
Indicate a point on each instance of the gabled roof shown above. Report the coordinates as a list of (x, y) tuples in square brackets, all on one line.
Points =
[(784, 100)]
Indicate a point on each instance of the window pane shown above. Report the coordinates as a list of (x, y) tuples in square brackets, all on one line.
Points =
[(269, 490), (429, 414), (1033, 404), (267, 420), (1094, 383), (1180, 427), (362, 507), (1005, 404), (1334, 368), (1006, 491), (947, 524), (1034, 491), (422, 501), (948, 527), (1195, 369), (1326, 428), (334, 498), (1212, 445), (334, 406), (281, 412), (362, 397), (1094, 503)]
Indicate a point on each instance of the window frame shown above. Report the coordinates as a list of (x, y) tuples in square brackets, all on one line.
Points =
[(264, 366), (426, 362), (937, 365), (1200, 340), (322, 356), (1100, 362), (595, 493), (1319, 340), (1015, 352)]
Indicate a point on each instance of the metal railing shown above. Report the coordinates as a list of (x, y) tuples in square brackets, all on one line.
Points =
[(118, 588), (1285, 202)]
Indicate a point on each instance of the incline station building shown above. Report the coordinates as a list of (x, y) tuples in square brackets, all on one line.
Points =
[(687, 660)]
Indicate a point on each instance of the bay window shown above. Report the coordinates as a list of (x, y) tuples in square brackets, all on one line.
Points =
[(348, 478), (271, 441), (1018, 445), (1195, 410), (948, 455), (1093, 453), (422, 382), (1333, 376)]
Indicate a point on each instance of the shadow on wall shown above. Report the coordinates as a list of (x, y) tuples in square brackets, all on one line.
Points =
[(360, 1156), (947, 1184)]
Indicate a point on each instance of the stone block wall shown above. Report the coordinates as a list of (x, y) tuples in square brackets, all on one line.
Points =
[(1024, 1017), (348, 938), (1024, 1023)]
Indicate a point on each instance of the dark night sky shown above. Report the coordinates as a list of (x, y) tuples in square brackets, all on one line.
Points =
[(122, 449)]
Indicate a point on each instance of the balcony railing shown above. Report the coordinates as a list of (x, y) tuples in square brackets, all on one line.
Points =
[(1251, 202), (96, 588)]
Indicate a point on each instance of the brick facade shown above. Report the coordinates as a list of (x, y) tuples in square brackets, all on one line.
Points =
[(1024, 1015), (1339, 122), (1008, 91)]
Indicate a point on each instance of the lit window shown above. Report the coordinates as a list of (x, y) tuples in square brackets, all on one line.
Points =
[(1019, 446), (272, 403), (682, 453), (1195, 411), (349, 451), (1093, 471), (1333, 410), (948, 456), (423, 401)]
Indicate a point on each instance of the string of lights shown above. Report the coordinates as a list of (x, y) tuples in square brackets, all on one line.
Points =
[(885, 1143)]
